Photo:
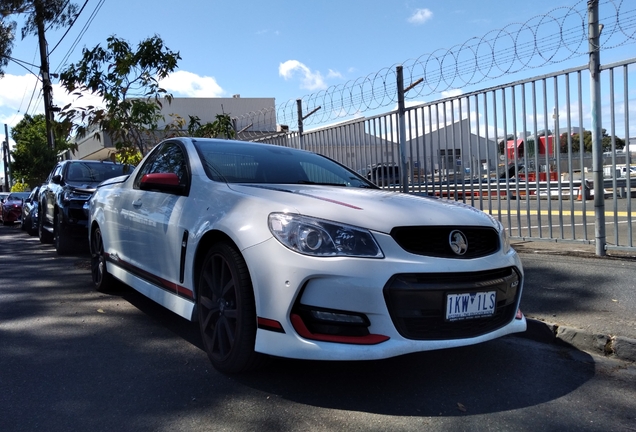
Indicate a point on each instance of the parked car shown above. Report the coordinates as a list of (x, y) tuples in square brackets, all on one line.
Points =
[(12, 207), (384, 174), (61, 217), (30, 212), (283, 252)]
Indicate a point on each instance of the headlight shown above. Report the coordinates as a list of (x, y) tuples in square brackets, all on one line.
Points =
[(505, 241), (74, 195), (317, 237)]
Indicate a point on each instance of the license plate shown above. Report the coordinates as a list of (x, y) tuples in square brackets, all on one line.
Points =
[(470, 305)]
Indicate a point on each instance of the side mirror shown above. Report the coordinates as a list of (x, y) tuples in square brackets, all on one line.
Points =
[(162, 182), (57, 179)]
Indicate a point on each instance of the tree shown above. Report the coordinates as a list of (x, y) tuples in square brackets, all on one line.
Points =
[(222, 127), (51, 13), (127, 81), (33, 159), (606, 142)]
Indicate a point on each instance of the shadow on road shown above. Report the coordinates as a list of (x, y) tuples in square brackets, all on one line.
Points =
[(97, 362)]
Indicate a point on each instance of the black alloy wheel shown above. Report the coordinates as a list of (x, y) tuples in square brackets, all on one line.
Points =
[(227, 311), (102, 280)]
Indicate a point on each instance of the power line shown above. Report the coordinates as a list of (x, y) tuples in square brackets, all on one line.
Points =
[(69, 27), (81, 34)]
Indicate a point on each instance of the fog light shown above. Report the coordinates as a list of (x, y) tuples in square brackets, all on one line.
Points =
[(337, 317), (519, 314)]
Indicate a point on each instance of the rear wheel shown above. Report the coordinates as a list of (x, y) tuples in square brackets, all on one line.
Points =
[(102, 280), (227, 311)]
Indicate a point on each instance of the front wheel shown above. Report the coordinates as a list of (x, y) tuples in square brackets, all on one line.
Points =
[(45, 236), (102, 280), (227, 311), (63, 242)]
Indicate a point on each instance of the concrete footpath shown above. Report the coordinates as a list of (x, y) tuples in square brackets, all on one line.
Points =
[(573, 297)]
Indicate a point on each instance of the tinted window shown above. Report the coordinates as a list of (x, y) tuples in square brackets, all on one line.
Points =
[(94, 172), (169, 158), (259, 163)]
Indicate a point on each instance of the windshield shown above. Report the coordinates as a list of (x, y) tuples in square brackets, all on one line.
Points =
[(240, 162), (18, 195), (95, 172)]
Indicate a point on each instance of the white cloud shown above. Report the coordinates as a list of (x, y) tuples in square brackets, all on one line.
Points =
[(334, 74), (452, 93), (310, 80), (188, 84), (420, 16), (20, 94)]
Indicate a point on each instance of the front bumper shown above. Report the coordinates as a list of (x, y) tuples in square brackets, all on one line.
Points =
[(12, 215), (289, 286), (75, 219)]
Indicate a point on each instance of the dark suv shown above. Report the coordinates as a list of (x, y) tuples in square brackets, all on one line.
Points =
[(62, 219)]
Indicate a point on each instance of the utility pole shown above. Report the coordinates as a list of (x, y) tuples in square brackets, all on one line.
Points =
[(594, 33), (44, 70), (5, 158)]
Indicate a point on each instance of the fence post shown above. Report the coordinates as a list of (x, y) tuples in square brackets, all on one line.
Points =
[(594, 31), (299, 105), (404, 177)]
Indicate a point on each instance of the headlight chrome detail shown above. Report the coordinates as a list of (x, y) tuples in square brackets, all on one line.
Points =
[(69, 195), (317, 237)]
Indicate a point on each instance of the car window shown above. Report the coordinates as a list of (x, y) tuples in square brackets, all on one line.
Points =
[(94, 172), (56, 171), (169, 158), (260, 163), (18, 195)]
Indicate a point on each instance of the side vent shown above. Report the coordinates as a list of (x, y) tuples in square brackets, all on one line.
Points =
[(184, 247)]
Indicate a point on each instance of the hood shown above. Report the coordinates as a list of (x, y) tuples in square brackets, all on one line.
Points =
[(88, 187), (374, 209)]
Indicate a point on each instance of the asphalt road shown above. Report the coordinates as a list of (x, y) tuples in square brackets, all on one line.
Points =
[(72, 359)]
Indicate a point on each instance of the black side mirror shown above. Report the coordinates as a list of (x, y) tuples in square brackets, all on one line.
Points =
[(57, 179)]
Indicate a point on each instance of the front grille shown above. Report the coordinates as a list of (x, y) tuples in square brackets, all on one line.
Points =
[(417, 302), (76, 210), (434, 240)]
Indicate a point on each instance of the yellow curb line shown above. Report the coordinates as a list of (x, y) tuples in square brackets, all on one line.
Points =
[(555, 213)]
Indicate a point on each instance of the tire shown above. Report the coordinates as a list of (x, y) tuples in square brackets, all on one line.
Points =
[(63, 243), (102, 280), (32, 228), (227, 311), (45, 236)]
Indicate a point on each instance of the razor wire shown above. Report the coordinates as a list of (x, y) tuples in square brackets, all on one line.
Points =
[(547, 39)]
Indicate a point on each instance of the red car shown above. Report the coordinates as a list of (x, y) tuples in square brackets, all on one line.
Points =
[(12, 207)]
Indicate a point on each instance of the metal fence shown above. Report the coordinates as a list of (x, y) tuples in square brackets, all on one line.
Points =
[(548, 156), (519, 151)]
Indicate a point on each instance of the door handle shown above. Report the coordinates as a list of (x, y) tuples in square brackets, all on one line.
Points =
[(137, 203)]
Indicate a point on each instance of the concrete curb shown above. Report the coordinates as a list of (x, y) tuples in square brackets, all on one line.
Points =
[(606, 345)]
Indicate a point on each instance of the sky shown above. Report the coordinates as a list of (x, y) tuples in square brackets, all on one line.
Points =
[(285, 49)]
